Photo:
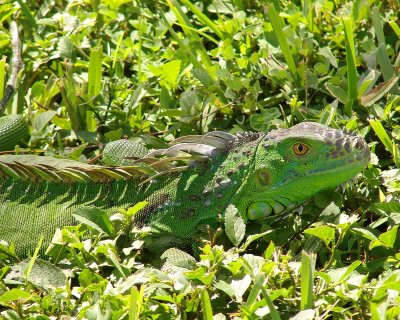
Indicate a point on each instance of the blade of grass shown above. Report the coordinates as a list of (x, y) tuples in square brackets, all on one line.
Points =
[(33, 259), (27, 13), (307, 280), (207, 75), (120, 38), (382, 56), (140, 52), (273, 313), (206, 304), (2, 76), (135, 303), (376, 21), (258, 284), (277, 26), (352, 77), (70, 99), (382, 135), (203, 18), (395, 28), (94, 83), (193, 36)]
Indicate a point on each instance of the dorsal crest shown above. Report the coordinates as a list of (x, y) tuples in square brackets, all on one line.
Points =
[(181, 153)]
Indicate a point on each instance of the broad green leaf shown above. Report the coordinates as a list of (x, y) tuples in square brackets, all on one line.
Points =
[(95, 218), (325, 233), (14, 295), (367, 82), (327, 53), (388, 238), (42, 119), (114, 135), (225, 287), (235, 227), (379, 91), (240, 286), (168, 72), (136, 208), (94, 72), (337, 92), (365, 233), (254, 237)]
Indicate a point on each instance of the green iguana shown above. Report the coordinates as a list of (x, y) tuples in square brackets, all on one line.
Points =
[(187, 185)]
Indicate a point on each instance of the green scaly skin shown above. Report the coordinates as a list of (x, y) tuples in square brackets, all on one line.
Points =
[(260, 174)]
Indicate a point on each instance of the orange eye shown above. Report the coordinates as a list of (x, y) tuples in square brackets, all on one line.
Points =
[(300, 149)]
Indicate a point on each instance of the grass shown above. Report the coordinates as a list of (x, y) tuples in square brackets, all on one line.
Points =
[(151, 71)]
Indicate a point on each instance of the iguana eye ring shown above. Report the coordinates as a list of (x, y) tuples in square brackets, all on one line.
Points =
[(300, 149)]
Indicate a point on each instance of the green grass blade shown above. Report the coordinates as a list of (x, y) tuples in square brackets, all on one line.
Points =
[(208, 76), (27, 13), (307, 280), (94, 85), (376, 20), (94, 77), (206, 304), (33, 259), (382, 135), (133, 312), (395, 27), (352, 77), (135, 303), (69, 99), (273, 313), (258, 284), (140, 51), (2, 76), (277, 26), (192, 35), (115, 58), (382, 56), (203, 18)]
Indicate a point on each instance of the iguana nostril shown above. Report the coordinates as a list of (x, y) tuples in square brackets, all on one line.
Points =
[(359, 144)]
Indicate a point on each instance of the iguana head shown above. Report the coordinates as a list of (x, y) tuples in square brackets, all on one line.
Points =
[(293, 164)]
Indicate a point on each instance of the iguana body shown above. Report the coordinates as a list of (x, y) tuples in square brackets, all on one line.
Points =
[(187, 186)]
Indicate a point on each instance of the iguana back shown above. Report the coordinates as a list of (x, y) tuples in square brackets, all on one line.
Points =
[(187, 186)]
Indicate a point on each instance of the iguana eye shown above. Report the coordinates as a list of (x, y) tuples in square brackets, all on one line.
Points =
[(300, 149)]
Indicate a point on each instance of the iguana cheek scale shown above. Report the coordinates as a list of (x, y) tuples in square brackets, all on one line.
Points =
[(188, 185)]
